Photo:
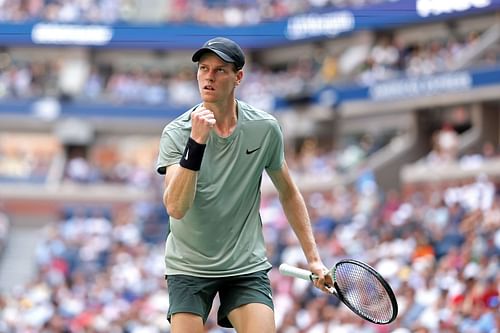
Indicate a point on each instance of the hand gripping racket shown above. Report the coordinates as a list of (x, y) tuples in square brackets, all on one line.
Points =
[(358, 286)]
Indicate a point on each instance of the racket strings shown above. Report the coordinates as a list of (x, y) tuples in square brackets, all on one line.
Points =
[(364, 292)]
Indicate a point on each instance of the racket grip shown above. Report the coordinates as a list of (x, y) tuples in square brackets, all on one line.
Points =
[(300, 273)]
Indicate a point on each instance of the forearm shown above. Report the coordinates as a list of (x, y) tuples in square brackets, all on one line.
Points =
[(298, 218), (181, 179), (179, 194)]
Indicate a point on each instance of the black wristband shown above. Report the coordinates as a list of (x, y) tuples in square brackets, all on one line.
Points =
[(193, 154)]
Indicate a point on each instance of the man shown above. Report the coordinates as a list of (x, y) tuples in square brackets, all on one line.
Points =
[(213, 157)]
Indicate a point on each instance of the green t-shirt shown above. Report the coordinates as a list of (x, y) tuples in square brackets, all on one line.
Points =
[(221, 234)]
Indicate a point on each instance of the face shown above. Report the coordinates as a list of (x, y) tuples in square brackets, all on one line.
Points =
[(217, 79)]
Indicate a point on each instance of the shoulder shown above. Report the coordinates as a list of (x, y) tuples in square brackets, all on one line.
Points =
[(181, 123), (251, 114)]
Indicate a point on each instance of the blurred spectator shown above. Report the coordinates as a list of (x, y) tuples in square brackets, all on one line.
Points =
[(474, 160), (97, 272), (4, 231), (263, 84), (78, 169), (101, 272), (225, 12), (444, 146), (27, 157)]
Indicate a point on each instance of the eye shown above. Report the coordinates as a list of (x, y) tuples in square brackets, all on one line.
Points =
[(221, 70)]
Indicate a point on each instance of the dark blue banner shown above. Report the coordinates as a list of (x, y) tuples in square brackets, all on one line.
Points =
[(408, 87), (313, 25), (403, 88)]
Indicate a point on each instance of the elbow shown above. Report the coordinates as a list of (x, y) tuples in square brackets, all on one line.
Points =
[(174, 210), (175, 213), (176, 207)]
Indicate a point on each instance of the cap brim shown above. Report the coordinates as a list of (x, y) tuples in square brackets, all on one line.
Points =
[(197, 55)]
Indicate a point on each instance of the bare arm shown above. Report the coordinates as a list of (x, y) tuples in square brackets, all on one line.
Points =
[(180, 182), (296, 212), (180, 188)]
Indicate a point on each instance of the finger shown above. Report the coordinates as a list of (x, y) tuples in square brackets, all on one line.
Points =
[(205, 112), (329, 289), (319, 281), (200, 110), (211, 122), (197, 112), (206, 117), (325, 288), (209, 118), (329, 279), (324, 281), (202, 114)]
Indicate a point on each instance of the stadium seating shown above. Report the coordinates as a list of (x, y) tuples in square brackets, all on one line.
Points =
[(397, 154)]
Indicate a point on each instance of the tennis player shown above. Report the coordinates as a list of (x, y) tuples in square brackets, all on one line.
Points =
[(213, 157)]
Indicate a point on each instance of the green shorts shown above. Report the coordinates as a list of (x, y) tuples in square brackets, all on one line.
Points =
[(195, 294)]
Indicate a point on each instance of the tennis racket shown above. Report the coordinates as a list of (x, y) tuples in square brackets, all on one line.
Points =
[(360, 287)]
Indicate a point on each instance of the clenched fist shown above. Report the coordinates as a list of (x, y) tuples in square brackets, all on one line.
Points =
[(202, 121)]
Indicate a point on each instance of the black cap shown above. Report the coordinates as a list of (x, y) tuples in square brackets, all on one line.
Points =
[(225, 48)]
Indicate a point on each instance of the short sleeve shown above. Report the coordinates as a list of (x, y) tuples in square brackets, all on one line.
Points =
[(276, 147), (170, 151)]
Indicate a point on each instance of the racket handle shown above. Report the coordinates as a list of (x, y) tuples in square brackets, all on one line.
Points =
[(300, 273)]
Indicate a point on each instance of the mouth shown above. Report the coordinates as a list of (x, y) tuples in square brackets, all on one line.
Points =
[(208, 87)]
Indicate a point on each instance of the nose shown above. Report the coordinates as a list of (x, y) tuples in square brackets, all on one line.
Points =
[(210, 76)]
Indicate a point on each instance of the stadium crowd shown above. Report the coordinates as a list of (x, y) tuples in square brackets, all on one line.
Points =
[(27, 157), (128, 162), (4, 229), (390, 57), (227, 12), (114, 161), (439, 248), (386, 58)]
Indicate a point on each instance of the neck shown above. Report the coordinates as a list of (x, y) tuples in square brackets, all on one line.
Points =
[(226, 116)]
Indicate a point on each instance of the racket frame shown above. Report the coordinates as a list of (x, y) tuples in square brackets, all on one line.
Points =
[(300, 273)]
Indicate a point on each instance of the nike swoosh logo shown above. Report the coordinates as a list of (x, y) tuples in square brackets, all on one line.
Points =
[(252, 151)]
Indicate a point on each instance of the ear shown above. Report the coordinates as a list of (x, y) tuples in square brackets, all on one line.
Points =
[(239, 76)]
